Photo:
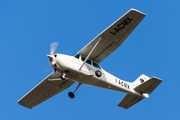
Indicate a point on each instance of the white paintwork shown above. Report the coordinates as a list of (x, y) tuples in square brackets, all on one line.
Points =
[(77, 70)]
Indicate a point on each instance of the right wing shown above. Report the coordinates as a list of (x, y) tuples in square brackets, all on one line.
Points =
[(44, 90), (113, 36)]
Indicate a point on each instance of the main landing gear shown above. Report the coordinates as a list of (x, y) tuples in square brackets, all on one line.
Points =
[(71, 94)]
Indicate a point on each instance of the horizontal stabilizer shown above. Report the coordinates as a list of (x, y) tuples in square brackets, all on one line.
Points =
[(144, 89), (148, 86), (129, 100)]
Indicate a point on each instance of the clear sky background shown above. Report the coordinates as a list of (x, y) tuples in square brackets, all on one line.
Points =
[(28, 27)]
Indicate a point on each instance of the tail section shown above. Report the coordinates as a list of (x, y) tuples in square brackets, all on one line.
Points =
[(144, 86), (141, 79)]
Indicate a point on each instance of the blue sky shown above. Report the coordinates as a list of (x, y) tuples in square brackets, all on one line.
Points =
[(28, 27)]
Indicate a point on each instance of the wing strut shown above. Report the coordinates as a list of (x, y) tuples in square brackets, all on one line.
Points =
[(100, 38)]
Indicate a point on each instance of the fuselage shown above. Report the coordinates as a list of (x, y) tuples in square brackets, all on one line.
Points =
[(87, 74)]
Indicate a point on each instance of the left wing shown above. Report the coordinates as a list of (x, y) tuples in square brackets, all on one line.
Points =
[(113, 36), (44, 90)]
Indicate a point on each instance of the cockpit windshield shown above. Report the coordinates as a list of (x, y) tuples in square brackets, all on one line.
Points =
[(76, 56)]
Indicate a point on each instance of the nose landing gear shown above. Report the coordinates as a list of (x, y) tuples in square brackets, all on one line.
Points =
[(63, 75)]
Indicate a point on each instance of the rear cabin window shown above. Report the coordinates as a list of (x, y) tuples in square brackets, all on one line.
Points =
[(96, 65)]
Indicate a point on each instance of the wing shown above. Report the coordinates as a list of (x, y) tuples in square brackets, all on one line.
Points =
[(113, 36), (44, 90)]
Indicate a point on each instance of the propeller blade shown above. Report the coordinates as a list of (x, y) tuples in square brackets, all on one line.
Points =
[(53, 47)]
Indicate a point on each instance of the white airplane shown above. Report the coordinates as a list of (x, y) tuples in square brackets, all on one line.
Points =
[(83, 67)]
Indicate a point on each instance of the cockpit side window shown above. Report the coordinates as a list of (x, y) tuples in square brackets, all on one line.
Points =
[(96, 65), (76, 56), (88, 61), (82, 58)]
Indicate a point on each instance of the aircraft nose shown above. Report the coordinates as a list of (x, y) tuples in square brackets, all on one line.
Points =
[(50, 56)]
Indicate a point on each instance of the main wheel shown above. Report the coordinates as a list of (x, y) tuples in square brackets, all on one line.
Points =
[(71, 94)]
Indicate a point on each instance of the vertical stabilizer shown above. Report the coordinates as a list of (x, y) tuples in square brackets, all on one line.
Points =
[(143, 78)]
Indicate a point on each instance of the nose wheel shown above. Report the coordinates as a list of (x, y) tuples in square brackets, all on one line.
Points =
[(63, 76)]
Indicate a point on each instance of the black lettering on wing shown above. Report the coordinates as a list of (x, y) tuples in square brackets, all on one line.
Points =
[(114, 33), (117, 29), (125, 22), (120, 26), (129, 19)]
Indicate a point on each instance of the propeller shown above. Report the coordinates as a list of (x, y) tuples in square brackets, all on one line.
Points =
[(53, 47)]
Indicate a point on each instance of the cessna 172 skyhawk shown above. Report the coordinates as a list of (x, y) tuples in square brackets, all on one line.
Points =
[(83, 67)]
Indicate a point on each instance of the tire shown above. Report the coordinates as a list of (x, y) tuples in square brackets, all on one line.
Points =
[(71, 95), (63, 78)]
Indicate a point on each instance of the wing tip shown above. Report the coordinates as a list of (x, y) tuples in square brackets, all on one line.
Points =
[(157, 78), (122, 106), (132, 9), (30, 107)]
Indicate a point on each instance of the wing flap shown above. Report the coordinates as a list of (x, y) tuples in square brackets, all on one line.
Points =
[(44, 90), (129, 100), (113, 36)]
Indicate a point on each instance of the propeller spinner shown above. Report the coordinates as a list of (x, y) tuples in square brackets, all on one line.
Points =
[(53, 47)]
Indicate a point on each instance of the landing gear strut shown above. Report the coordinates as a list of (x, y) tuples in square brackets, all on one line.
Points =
[(71, 94)]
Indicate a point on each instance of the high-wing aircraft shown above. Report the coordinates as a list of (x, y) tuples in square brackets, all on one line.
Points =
[(84, 67)]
